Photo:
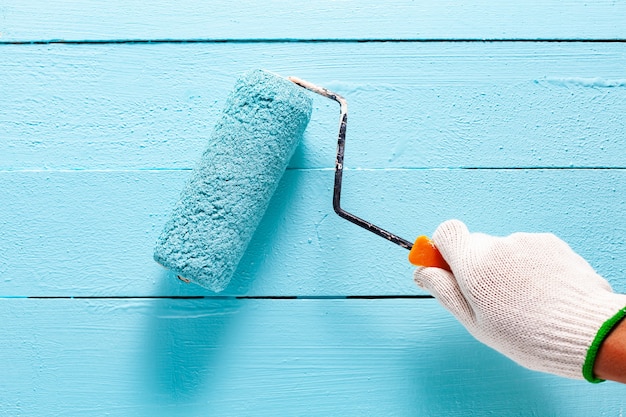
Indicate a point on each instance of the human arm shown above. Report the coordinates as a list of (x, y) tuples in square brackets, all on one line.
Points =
[(611, 359), (530, 297)]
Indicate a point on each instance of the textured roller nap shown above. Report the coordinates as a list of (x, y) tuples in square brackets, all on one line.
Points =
[(229, 190)]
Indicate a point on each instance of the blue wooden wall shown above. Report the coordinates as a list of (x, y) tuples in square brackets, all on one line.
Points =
[(106, 105)]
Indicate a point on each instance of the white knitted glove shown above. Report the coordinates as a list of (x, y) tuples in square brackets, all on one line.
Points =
[(529, 296)]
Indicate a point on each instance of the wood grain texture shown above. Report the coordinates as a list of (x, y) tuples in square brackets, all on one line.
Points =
[(267, 358), (92, 233), (411, 105), (319, 19)]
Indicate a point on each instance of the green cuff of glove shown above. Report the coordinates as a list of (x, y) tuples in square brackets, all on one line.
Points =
[(592, 353)]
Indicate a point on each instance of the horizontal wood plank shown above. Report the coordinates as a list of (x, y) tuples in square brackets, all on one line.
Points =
[(266, 358), (411, 105), (321, 19), (91, 233)]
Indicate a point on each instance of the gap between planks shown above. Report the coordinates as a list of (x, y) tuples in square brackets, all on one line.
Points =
[(225, 297), (452, 168), (312, 40)]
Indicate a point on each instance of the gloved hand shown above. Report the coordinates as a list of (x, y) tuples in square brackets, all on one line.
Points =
[(529, 296)]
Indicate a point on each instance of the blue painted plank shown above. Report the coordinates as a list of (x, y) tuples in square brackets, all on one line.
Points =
[(91, 233), (267, 358), (411, 105), (319, 19)]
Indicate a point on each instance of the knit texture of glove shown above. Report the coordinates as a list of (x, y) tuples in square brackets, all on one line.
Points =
[(528, 296)]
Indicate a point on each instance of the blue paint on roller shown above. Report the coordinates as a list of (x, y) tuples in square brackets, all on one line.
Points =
[(229, 190)]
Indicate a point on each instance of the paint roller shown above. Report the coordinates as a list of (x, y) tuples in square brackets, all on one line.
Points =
[(229, 190)]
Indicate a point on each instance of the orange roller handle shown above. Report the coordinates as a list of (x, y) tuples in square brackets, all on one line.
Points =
[(424, 253)]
